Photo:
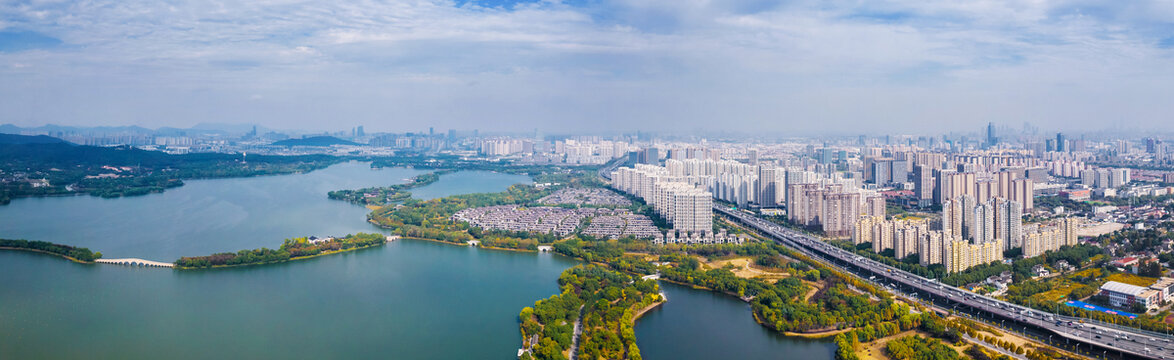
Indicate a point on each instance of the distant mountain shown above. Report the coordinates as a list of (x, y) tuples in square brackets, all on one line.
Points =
[(198, 129), (315, 141), (50, 128), (25, 139)]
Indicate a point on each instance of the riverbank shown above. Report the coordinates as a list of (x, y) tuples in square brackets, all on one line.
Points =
[(640, 313), (46, 253), (479, 246), (76, 254)]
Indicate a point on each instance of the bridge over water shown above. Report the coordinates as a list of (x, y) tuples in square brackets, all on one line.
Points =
[(135, 262)]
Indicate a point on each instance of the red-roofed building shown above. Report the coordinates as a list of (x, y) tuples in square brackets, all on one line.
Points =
[(1076, 194)]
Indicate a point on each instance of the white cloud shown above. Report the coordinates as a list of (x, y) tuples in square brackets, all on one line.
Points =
[(622, 64)]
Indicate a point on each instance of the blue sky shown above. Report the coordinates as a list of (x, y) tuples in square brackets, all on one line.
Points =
[(591, 65)]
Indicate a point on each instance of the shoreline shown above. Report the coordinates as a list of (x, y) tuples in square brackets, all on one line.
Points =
[(640, 313), (45, 253), (815, 335), (467, 245), (165, 188), (180, 268)]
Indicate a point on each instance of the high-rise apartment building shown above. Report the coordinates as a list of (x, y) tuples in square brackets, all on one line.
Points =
[(768, 186), (923, 185), (1009, 223)]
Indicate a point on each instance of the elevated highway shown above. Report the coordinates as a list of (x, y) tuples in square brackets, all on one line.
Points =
[(1101, 338)]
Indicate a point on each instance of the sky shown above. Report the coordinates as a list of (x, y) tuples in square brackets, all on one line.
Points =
[(755, 66)]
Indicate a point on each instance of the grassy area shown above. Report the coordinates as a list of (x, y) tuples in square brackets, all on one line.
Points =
[(1059, 292), (1131, 279), (1088, 273)]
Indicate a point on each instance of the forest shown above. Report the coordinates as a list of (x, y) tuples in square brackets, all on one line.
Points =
[(604, 301), (70, 252), (127, 171), (291, 249), (919, 348)]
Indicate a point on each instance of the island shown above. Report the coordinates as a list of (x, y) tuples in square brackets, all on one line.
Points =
[(291, 249), (76, 254), (380, 196)]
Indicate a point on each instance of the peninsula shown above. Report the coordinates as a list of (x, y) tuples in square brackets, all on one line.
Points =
[(32, 166), (291, 249), (76, 254), (384, 195)]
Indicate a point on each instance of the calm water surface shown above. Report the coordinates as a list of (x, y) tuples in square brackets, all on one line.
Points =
[(207, 216), (407, 300), (696, 324)]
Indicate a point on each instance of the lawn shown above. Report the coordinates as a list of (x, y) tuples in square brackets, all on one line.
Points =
[(1094, 273), (1059, 292)]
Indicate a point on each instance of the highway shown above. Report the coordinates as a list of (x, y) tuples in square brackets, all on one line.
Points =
[(1104, 339)]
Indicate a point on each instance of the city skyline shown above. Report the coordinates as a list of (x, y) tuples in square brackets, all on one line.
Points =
[(804, 68)]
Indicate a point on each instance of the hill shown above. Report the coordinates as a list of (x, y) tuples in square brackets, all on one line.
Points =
[(315, 141), (26, 139)]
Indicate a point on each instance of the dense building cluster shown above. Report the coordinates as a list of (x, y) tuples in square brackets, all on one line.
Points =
[(967, 234), (602, 222), (832, 202), (1040, 238), (683, 204), (585, 196)]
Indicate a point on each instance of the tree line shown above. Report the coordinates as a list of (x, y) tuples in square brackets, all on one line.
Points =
[(608, 300), (77, 253), (291, 249)]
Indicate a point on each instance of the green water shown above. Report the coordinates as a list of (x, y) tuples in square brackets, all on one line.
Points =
[(406, 300)]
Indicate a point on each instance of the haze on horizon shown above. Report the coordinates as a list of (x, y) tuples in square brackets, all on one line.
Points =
[(586, 65)]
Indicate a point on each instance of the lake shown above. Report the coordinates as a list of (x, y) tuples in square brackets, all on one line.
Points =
[(407, 300)]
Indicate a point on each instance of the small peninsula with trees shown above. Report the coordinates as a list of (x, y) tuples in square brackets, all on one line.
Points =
[(291, 249), (384, 195), (603, 303), (77, 254)]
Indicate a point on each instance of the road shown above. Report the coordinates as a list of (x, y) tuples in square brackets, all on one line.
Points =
[(1102, 338)]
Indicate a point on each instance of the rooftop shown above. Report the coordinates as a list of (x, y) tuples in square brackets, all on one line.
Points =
[(1122, 288)]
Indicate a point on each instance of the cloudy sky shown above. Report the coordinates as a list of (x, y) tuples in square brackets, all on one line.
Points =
[(915, 66)]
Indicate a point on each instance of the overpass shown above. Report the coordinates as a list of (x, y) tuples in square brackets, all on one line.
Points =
[(1100, 338), (135, 262)]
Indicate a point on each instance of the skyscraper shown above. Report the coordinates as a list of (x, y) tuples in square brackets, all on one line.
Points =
[(923, 185), (1061, 144), (768, 186), (991, 140), (1009, 223)]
